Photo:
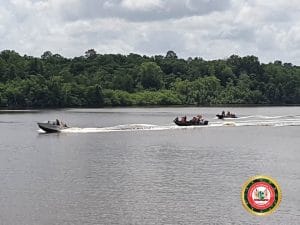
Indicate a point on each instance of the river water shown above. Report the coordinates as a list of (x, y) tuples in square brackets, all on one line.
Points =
[(134, 166)]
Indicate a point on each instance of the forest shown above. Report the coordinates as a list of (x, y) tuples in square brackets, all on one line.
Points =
[(99, 80)]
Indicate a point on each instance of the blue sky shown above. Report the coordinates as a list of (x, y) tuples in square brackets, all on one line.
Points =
[(210, 29)]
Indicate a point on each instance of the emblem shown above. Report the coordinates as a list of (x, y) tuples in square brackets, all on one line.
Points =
[(261, 195)]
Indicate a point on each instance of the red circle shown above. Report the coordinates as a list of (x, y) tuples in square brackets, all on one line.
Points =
[(269, 202)]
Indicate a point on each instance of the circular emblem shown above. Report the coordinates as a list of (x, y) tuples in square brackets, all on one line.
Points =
[(261, 195)]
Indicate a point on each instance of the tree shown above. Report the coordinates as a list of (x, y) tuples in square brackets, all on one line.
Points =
[(251, 64), (95, 96), (90, 54), (55, 81), (171, 55), (150, 75), (123, 82), (35, 67), (46, 55), (223, 72), (185, 89), (207, 90), (235, 63), (10, 56), (77, 66)]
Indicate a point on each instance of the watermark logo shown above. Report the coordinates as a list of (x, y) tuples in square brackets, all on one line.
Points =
[(261, 195)]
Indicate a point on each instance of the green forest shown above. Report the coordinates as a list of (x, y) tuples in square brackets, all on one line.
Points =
[(99, 80)]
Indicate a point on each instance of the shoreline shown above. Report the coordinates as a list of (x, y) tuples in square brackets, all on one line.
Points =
[(32, 109)]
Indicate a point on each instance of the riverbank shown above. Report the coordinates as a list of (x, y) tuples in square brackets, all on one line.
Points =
[(24, 109)]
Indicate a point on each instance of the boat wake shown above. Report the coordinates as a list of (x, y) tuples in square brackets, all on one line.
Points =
[(118, 128), (253, 121), (260, 120), (257, 120)]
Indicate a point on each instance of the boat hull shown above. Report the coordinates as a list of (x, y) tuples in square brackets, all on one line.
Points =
[(50, 128), (224, 117), (189, 123)]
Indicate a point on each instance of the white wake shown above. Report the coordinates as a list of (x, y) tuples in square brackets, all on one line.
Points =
[(257, 120)]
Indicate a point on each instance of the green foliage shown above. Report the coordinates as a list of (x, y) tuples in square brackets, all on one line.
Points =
[(123, 81), (150, 75), (96, 80), (203, 91)]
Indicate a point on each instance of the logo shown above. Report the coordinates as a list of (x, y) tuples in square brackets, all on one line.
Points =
[(261, 195)]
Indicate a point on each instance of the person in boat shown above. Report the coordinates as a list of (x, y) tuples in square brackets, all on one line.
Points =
[(183, 119), (57, 122), (228, 113), (199, 118), (223, 113)]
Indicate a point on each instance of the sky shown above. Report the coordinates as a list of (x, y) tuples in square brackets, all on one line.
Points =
[(211, 29)]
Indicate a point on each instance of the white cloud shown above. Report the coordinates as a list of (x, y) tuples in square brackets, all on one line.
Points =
[(207, 28), (141, 4)]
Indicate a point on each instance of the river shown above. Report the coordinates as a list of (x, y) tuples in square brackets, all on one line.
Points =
[(134, 166)]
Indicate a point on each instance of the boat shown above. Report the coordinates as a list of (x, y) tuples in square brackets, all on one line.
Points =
[(190, 122), (220, 116), (52, 126)]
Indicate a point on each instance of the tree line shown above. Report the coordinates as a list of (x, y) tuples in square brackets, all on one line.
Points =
[(98, 80)]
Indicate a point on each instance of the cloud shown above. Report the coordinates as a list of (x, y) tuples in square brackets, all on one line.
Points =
[(143, 5), (139, 10), (206, 28)]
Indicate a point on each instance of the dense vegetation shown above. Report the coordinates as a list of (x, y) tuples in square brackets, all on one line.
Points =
[(96, 80)]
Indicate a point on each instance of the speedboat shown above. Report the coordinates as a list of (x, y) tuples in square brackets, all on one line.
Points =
[(190, 122), (220, 116), (52, 126)]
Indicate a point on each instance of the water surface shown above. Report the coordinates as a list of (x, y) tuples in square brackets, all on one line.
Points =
[(133, 166)]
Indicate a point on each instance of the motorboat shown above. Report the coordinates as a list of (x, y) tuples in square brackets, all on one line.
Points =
[(192, 122), (221, 116), (52, 126)]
